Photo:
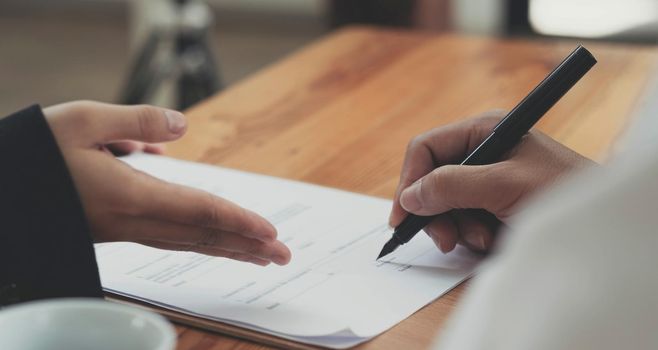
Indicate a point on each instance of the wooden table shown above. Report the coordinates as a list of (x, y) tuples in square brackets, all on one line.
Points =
[(340, 112)]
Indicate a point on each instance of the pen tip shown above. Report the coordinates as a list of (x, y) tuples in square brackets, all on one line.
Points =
[(381, 254), (389, 247)]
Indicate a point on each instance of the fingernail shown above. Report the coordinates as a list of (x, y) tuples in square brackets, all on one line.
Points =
[(410, 198), (280, 259), (175, 121), (476, 240)]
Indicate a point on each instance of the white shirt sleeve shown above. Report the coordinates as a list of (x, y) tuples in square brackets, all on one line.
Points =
[(579, 270)]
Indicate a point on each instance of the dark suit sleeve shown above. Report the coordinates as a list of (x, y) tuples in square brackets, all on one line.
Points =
[(45, 247)]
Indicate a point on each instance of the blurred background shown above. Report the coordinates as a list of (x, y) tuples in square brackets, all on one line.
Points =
[(176, 52)]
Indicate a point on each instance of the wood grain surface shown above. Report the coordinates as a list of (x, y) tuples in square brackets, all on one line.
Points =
[(341, 111)]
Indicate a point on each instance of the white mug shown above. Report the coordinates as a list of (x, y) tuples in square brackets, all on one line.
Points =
[(74, 324)]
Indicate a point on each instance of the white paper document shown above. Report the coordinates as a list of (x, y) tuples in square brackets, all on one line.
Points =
[(333, 293)]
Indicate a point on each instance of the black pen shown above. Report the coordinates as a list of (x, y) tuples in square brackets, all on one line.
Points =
[(508, 132)]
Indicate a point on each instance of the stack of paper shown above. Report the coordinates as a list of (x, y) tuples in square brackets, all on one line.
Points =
[(332, 294)]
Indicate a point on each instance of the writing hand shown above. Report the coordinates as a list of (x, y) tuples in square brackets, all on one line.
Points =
[(431, 185)]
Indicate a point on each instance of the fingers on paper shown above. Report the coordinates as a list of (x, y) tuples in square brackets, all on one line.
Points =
[(475, 231), (444, 232), (189, 206), (172, 236), (213, 252), (465, 227)]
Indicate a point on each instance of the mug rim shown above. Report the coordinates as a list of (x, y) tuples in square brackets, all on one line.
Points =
[(164, 328)]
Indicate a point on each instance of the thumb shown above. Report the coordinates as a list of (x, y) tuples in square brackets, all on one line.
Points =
[(460, 187), (105, 123)]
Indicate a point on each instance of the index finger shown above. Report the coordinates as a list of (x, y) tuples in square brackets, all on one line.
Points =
[(190, 206), (440, 146)]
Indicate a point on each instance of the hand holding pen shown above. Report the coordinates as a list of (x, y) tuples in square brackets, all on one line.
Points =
[(429, 185), (501, 164)]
